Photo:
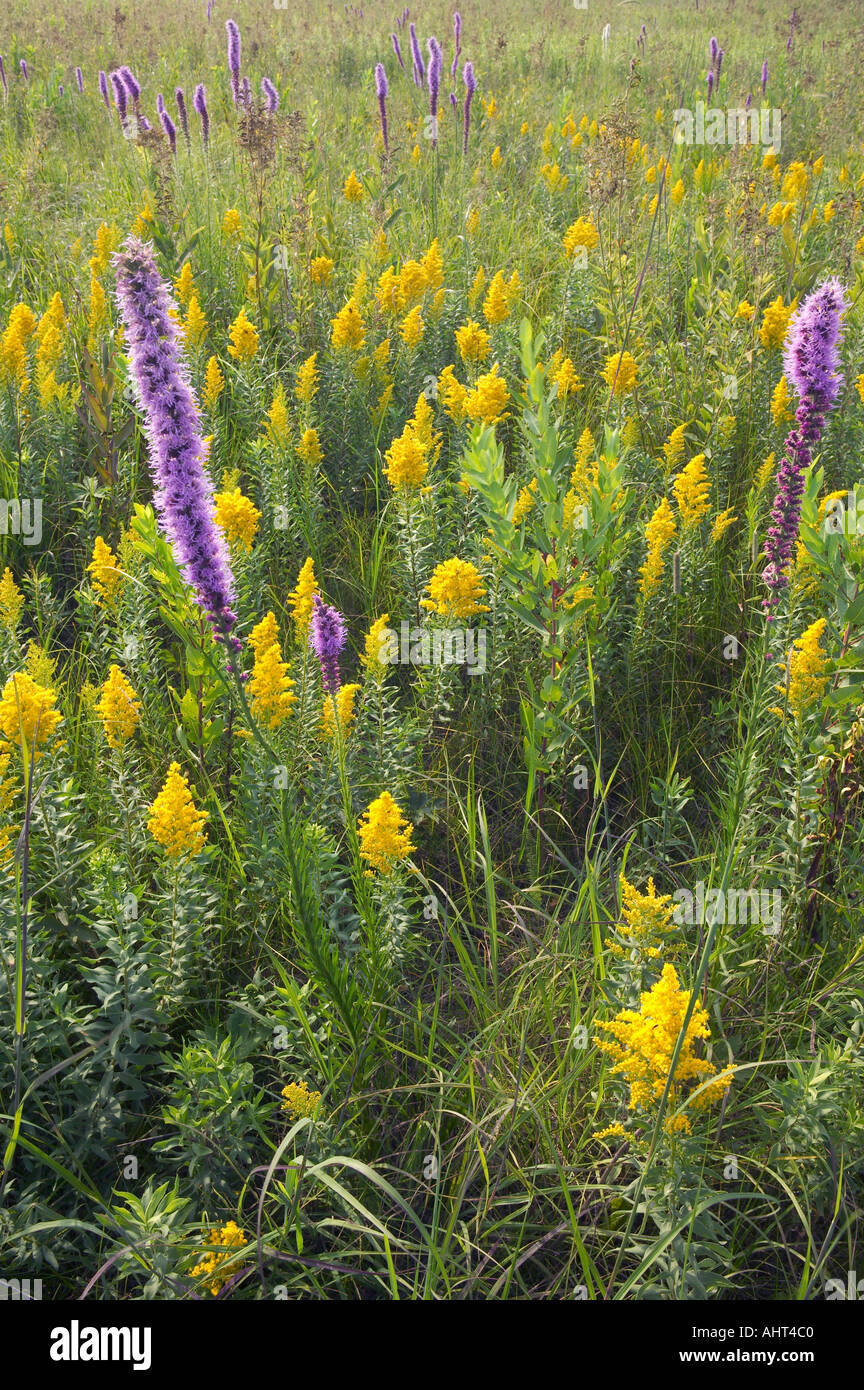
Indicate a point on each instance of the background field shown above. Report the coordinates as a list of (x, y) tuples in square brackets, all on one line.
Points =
[(451, 1129)]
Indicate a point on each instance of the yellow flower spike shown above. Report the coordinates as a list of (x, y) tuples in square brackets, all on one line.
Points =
[(11, 601), (238, 517), (692, 488), (384, 834), (658, 535), (300, 600), (455, 588), (174, 821), (244, 338), (343, 701), (106, 577), (28, 713), (119, 708)]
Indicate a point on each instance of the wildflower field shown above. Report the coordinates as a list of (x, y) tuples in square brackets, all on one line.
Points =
[(431, 651)]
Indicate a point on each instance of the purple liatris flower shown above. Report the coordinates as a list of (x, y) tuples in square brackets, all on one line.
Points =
[(710, 81), (434, 79), (457, 42), (721, 54), (381, 92), (271, 96), (160, 104), (183, 493), (417, 56), (180, 98), (129, 82), (60, 89), (199, 101), (144, 123), (23, 67), (245, 98), (397, 50), (749, 102), (103, 88), (3, 77), (120, 97), (810, 364), (470, 87), (764, 76), (79, 78), (170, 129), (327, 638), (713, 48), (234, 57)]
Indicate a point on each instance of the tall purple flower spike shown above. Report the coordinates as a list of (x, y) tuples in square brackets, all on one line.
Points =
[(183, 493), (3, 77), (103, 88), (120, 96), (381, 93), (457, 42), (810, 364), (79, 79), (170, 129), (764, 77), (271, 96), (434, 80), (470, 87), (180, 98), (327, 638), (199, 101), (417, 56), (234, 58)]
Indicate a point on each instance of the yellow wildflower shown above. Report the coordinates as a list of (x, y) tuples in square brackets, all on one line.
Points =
[(692, 488), (232, 226), (472, 342), (299, 1100), (28, 713), (353, 191), (300, 600), (384, 834), (307, 379), (343, 701), (658, 534), (175, 822), (106, 577), (348, 327), (11, 601), (620, 373), (455, 588), (238, 517), (214, 383), (119, 708), (244, 338), (488, 401)]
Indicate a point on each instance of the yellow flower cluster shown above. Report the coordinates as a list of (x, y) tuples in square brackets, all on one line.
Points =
[(119, 708), (620, 373), (775, 321), (320, 269), (307, 379), (353, 191), (807, 662), (11, 601), (500, 296), (232, 226), (581, 233), (409, 456), (338, 710), (472, 342), (214, 1265), (28, 713), (349, 329), (237, 516), (658, 534), (692, 488), (673, 449), (214, 383), (300, 600), (489, 398), (384, 834), (298, 1100), (13, 346), (271, 688), (371, 654), (106, 577), (174, 821), (244, 338), (642, 1044), (455, 590)]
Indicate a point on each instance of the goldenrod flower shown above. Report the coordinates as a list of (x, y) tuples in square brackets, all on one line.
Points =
[(642, 1045), (488, 401), (349, 329), (28, 713), (11, 601), (184, 284), (320, 269), (106, 578), (244, 338), (106, 240), (307, 379), (496, 305), (309, 447), (238, 517), (300, 600), (232, 226), (455, 589), (807, 662), (452, 395), (524, 502), (775, 321), (406, 462), (721, 523), (271, 689), (371, 654), (343, 701), (278, 426), (196, 323), (215, 1266), (581, 233), (673, 449), (174, 821), (692, 488), (658, 534), (472, 342), (299, 1100), (620, 373), (563, 374), (214, 383), (433, 266), (119, 708), (412, 327), (745, 310), (353, 191), (384, 834), (780, 399)]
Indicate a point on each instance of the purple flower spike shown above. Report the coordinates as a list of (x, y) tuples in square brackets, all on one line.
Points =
[(103, 88), (271, 96), (160, 104), (120, 96), (419, 68), (79, 78), (128, 79), (713, 48), (721, 54), (23, 66), (434, 78), (327, 638), (180, 98), (397, 50), (810, 364), (245, 98), (457, 41), (170, 129), (3, 78), (199, 101), (710, 84), (470, 87), (234, 58), (183, 493), (381, 93), (764, 76)]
